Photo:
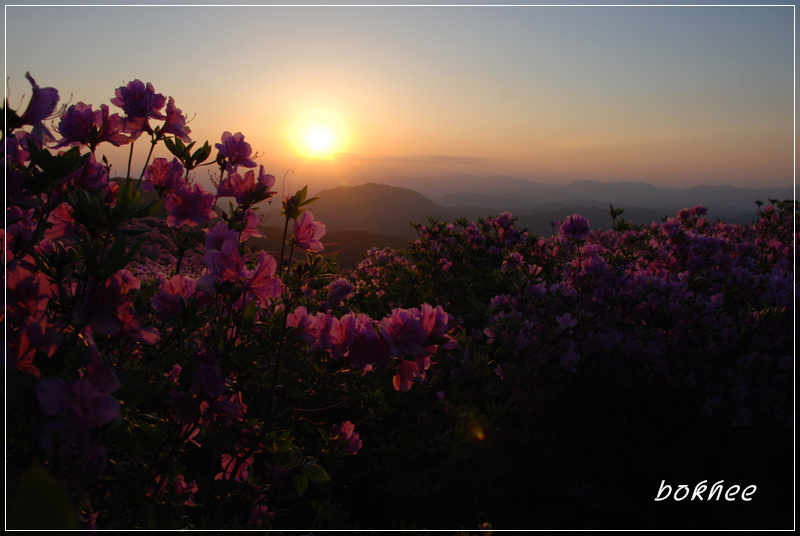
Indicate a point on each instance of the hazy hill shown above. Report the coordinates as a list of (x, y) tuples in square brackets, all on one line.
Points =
[(372, 208), (376, 208)]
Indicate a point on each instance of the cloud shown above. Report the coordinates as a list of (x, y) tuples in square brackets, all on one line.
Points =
[(415, 159)]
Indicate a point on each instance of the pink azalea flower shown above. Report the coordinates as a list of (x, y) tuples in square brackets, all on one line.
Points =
[(111, 128), (224, 264), (235, 150), (346, 438), (307, 232), (234, 468), (574, 227), (306, 326), (62, 222), (82, 125), (247, 189), (91, 175), (251, 221), (140, 102), (434, 321), (175, 123), (404, 332), (173, 293), (218, 235), (365, 347), (333, 336), (165, 177), (190, 206), (181, 488), (565, 321), (36, 334), (262, 282), (404, 378), (131, 328), (27, 294), (41, 107), (76, 125), (83, 405)]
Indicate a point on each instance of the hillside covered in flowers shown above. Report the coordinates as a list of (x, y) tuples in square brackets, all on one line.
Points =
[(163, 373)]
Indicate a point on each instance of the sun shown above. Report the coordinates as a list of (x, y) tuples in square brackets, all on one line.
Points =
[(318, 141), (318, 135)]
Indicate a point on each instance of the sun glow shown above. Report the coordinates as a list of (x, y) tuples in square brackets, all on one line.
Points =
[(318, 135)]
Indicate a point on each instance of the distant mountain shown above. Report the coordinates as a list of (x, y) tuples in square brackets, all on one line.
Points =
[(380, 215), (374, 208)]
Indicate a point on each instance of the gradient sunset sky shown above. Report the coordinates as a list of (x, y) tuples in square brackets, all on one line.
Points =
[(671, 95)]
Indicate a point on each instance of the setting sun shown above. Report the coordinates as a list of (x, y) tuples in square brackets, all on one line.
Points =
[(318, 140), (318, 135)]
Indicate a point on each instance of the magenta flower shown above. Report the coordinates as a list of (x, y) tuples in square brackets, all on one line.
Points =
[(140, 102), (91, 175), (82, 125), (41, 106), (224, 265), (36, 334), (165, 177), (404, 378), (62, 222), (190, 206), (566, 321), (365, 347), (403, 330), (235, 150), (247, 189), (175, 123), (574, 227), (262, 282), (84, 405), (332, 336), (173, 293), (307, 232), (219, 234), (235, 468), (76, 125), (434, 321), (345, 438), (27, 294), (250, 229)]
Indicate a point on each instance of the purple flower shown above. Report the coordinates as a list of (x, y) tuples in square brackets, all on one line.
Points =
[(140, 102), (174, 291), (247, 189), (235, 150), (190, 206), (82, 125), (307, 232), (175, 123), (262, 282), (219, 234), (574, 227), (165, 177), (405, 333), (41, 106), (565, 321), (346, 438), (250, 229)]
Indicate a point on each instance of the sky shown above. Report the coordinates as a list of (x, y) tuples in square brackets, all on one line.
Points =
[(672, 95)]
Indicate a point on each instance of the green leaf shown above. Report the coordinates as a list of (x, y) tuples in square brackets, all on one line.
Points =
[(300, 483), (315, 473), (201, 155), (249, 314), (41, 503)]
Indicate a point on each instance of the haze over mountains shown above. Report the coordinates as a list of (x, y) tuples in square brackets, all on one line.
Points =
[(371, 214)]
